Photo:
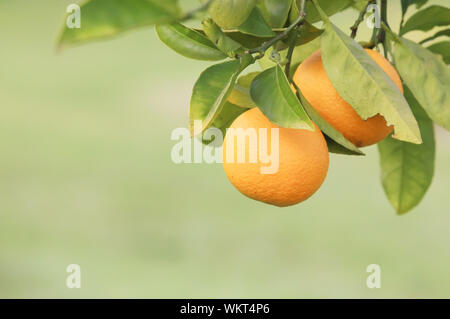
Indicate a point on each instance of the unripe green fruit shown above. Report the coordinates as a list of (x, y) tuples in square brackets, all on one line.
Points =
[(230, 14)]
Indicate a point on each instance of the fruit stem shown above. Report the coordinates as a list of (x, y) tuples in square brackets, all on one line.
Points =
[(291, 43), (292, 40), (382, 33), (294, 26), (360, 19)]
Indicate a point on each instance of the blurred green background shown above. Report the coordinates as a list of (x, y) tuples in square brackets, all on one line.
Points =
[(86, 178)]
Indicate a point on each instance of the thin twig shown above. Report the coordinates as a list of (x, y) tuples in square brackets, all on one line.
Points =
[(291, 43), (293, 39), (382, 33), (360, 19)]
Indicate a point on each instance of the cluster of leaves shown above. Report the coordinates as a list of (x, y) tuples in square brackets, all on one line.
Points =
[(279, 35)]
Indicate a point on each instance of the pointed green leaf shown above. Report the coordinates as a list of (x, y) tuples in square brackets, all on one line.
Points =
[(427, 19), (407, 3), (337, 143), (427, 77), (307, 33), (329, 7), (275, 12), (336, 148), (219, 38), (230, 14), (272, 93), (312, 15), (225, 118), (107, 18), (443, 49), (407, 169), (359, 4), (256, 25), (295, 11), (364, 85), (188, 42), (212, 89), (442, 33), (240, 95)]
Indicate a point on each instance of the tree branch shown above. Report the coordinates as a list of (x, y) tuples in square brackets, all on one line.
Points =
[(291, 43), (382, 32), (360, 19), (292, 40)]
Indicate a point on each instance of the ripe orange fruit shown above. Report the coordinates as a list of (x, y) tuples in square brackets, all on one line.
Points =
[(317, 88), (302, 162)]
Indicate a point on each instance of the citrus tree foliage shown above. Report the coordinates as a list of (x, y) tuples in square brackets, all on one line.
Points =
[(277, 35)]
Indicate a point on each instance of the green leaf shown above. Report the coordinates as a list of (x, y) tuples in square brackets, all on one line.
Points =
[(329, 7), (336, 148), (407, 3), (443, 49), (219, 38), (427, 19), (295, 11), (359, 4), (188, 42), (240, 95), (427, 77), (212, 89), (364, 85), (441, 33), (429, 60), (307, 33), (407, 169), (224, 119), (256, 25), (230, 14), (107, 18), (275, 12), (272, 93), (245, 40), (337, 143)]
